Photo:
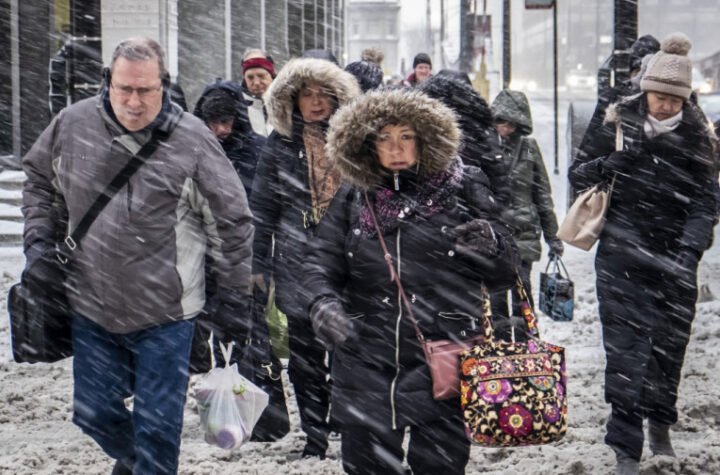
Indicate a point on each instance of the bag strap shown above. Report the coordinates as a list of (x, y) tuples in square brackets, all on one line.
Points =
[(527, 310), (72, 241), (395, 278)]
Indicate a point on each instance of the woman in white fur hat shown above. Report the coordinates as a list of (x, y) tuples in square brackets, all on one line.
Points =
[(659, 223)]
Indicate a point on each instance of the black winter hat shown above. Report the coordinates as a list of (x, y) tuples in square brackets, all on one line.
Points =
[(643, 46), (325, 54), (218, 105), (422, 58), (369, 75), (472, 110)]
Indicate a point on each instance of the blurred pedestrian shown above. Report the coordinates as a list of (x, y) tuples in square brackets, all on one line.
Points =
[(368, 71), (220, 107), (660, 221), (258, 71), (135, 283), (293, 188), (530, 211), (479, 146), (422, 70), (440, 223)]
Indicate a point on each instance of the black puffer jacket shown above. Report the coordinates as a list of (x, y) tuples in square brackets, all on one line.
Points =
[(666, 201), (380, 377), (281, 200)]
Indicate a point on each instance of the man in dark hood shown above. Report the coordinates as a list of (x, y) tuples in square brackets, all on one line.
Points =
[(220, 107)]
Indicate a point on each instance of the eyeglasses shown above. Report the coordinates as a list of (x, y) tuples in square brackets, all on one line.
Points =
[(142, 92)]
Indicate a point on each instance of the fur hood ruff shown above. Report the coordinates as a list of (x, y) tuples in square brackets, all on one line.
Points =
[(280, 98), (353, 127)]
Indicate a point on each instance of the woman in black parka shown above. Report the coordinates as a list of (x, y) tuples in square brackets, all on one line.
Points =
[(659, 223), (293, 187), (440, 225)]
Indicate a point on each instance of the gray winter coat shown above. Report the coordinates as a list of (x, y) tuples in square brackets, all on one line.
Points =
[(142, 261)]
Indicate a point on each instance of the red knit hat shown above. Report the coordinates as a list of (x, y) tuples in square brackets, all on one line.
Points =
[(264, 63)]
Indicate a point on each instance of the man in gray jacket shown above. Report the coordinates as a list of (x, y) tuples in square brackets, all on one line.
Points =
[(136, 281)]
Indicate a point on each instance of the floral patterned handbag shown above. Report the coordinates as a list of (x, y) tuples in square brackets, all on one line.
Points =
[(514, 393)]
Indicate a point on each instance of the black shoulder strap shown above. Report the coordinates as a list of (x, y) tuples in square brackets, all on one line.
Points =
[(71, 242)]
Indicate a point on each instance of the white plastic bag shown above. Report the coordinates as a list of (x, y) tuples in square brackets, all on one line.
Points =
[(228, 403)]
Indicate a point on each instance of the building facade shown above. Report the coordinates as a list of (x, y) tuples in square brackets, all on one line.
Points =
[(203, 39), (374, 23)]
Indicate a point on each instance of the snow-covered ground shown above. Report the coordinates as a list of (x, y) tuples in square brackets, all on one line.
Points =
[(38, 437)]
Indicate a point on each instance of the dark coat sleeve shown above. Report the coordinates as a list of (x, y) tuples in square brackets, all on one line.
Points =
[(43, 206), (326, 267), (586, 170), (542, 194), (497, 272), (266, 202), (702, 216)]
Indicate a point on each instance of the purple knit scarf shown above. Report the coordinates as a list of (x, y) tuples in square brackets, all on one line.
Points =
[(428, 199)]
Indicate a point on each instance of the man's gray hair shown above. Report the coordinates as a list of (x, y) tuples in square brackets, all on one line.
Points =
[(140, 48), (254, 53)]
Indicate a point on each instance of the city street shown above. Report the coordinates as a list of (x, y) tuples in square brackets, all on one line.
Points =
[(38, 437)]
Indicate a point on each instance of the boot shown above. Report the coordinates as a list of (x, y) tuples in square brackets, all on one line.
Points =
[(626, 465), (659, 439), (121, 469)]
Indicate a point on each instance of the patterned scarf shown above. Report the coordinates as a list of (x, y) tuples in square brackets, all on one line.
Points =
[(426, 199), (324, 179)]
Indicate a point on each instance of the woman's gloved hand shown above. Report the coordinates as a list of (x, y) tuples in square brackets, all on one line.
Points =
[(330, 323), (619, 162), (556, 247), (476, 237)]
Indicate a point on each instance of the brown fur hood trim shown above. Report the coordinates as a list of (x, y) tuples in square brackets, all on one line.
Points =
[(281, 96), (353, 128)]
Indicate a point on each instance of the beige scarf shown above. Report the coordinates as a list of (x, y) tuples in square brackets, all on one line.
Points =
[(324, 179)]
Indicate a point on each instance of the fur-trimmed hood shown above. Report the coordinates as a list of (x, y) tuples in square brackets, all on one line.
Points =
[(282, 94), (352, 128)]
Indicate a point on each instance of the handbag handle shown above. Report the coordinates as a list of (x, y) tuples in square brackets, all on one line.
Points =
[(557, 266)]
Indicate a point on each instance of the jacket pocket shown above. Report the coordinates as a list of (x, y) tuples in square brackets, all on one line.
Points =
[(459, 323)]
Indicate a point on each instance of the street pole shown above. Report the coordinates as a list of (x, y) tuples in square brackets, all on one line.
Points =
[(555, 88), (507, 66)]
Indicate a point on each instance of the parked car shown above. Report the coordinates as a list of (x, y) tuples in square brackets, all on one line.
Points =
[(581, 81), (710, 104)]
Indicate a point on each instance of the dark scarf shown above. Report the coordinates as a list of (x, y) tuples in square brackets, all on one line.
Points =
[(422, 196)]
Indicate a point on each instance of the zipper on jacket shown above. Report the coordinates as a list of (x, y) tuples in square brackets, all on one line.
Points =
[(393, 385)]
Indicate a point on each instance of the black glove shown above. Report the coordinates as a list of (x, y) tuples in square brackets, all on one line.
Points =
[(232, 319), (476, 237), (619, 162), (556, 247), (331, 324), (43, 269)]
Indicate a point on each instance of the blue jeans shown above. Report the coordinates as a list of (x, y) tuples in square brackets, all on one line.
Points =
[(152, 365)]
